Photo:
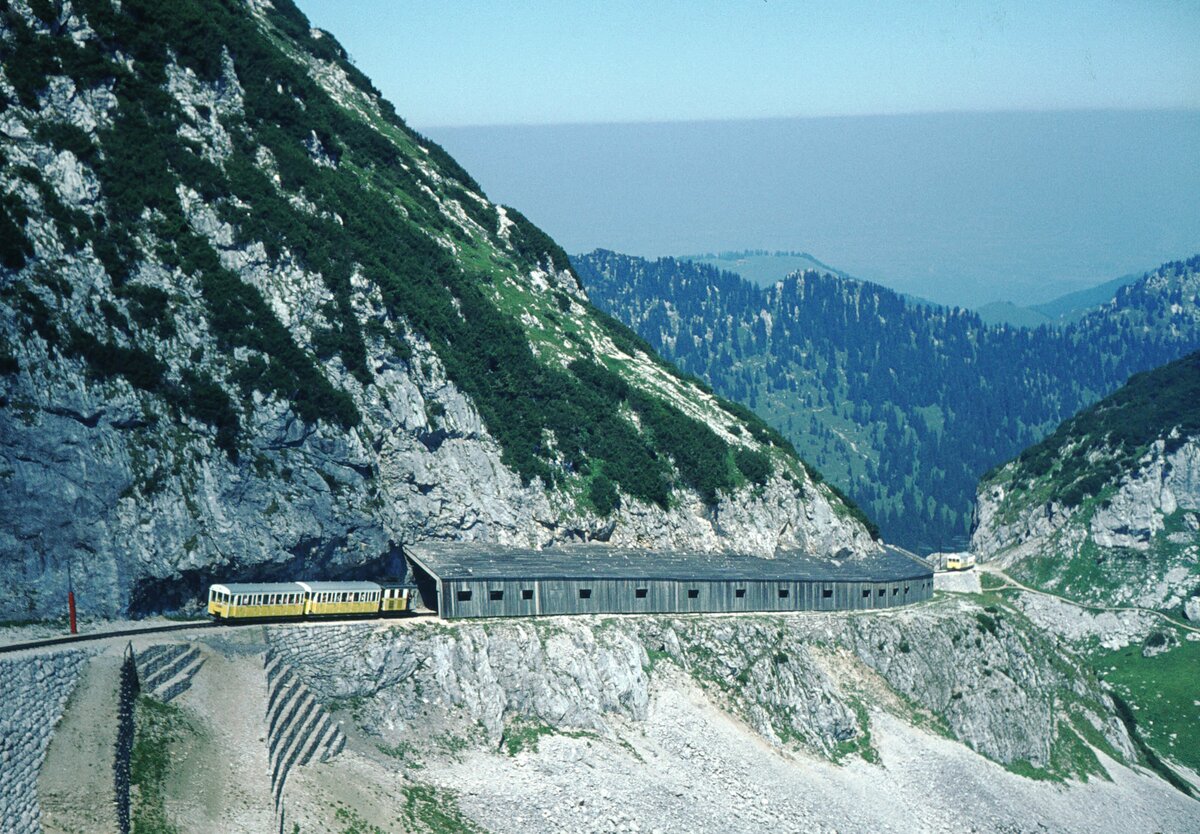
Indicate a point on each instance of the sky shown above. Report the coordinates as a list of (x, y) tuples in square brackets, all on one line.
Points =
[(485, 62), (958, 208), (965, 152)]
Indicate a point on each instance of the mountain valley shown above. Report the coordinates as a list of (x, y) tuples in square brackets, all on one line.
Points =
[(256, 330), (903, 406)]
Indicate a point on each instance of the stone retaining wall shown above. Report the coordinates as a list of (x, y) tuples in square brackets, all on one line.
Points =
[(33, 693)]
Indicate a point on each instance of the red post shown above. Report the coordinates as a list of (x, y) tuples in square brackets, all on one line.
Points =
[(71, 606)]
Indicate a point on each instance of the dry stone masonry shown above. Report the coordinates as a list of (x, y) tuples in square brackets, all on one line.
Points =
[(33, 692), (166, 670), (299, 728)]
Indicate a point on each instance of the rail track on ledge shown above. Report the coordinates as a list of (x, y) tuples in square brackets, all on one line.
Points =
[(191, 626)]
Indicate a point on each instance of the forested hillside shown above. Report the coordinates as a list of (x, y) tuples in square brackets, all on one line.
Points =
[(902, 405)]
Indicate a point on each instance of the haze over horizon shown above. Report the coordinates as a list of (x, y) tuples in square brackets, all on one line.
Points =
[(961, 209), (967, 153)]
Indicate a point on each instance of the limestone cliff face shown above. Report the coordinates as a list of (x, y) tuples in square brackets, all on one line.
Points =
[(253, 326), (993, 682), (1142, 529), (1107, 508)]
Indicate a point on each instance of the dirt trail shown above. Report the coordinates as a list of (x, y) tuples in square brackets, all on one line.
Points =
[(76, 782), (1012, 583)]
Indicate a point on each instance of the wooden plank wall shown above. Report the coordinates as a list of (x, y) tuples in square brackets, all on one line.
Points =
[(463, 598)]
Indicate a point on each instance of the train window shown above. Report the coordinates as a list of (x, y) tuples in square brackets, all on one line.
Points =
[(693, 593), (866, 593), (640, 593), (739, 592), (495, 595), (464, 596), (585, 593), (783, 593), (895, 591), (527, 593), (882, 591), (826, 593), (906, 589)]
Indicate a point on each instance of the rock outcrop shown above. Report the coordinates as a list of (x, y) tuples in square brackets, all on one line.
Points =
[(253, 326), (1143, 535), (992, 681), (1106, 509)]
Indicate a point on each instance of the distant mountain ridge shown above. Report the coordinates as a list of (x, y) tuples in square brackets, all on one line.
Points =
[(901, 405), (943, 206), (764, 268)]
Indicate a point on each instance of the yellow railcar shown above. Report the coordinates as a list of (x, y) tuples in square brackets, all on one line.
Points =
[(248, 601), (960, 561), (397, 598), (325, 598)]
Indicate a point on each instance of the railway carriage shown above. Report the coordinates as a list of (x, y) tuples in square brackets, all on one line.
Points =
[(960, 561), (397, 597), (308, 599), (250, 600), (341, 597)]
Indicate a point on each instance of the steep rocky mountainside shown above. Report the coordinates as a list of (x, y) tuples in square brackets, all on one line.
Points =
[(253, 325), (967, 713), (670, 723), (1107, 508), (978, 674), (902, 405)]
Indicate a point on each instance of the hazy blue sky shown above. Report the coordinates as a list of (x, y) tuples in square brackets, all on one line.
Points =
[(958, 208), (534, 61)]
